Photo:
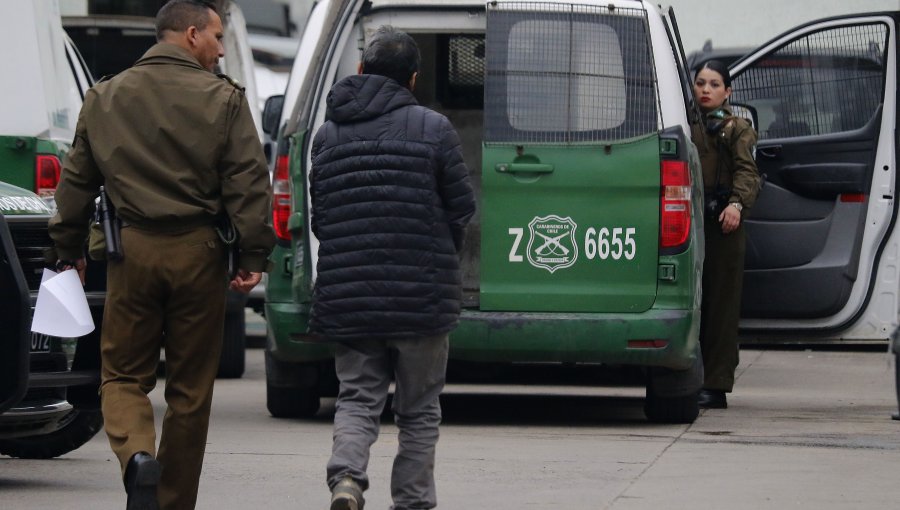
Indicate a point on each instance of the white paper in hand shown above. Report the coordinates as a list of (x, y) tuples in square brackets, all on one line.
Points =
[(62, 309)]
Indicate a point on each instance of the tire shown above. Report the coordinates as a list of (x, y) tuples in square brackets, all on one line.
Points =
[(234, 345), (672, 394), (292, 402), (83, 425), (293, 390), (671, 409)]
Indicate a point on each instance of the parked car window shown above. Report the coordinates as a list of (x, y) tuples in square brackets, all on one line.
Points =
[(826, 82), (559, 87)]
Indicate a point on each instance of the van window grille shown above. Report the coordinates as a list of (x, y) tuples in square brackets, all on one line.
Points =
[(460, 71), (825, 82), (466, 65), (564, 73)]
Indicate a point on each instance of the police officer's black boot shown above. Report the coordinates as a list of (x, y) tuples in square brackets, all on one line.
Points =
[(141, 479), (712, 399)]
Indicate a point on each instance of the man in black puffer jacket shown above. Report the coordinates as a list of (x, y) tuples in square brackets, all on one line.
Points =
[(391, 199)]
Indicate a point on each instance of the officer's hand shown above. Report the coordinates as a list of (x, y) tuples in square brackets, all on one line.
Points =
[(244, 281), (79, 265), (730, 219)]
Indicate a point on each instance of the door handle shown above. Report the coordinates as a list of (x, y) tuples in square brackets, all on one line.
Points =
[(523, 168), (770, 152)]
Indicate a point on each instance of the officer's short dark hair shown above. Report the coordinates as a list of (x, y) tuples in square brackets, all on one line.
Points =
[(179, 15), (391, 53)]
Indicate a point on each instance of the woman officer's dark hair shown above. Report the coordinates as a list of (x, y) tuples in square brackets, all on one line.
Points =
[(719, 67), (391, 53)]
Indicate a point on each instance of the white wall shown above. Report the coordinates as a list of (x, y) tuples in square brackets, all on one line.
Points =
[(753, 22), (73, 7)]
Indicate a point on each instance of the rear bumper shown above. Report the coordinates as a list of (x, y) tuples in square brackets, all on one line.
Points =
[(528, 337), (578, 337), (34, 418)]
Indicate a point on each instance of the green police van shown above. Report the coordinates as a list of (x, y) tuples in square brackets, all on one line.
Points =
[(587, 246)]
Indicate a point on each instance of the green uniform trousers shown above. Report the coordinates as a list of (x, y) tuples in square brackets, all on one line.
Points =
[(169, 291), (723, 277)]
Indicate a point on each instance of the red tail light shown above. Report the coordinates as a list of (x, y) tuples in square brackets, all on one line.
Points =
[(674, 204), (46, 175), (281, 198), (853, 197)]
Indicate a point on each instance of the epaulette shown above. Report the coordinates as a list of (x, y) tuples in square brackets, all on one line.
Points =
[(234, 83)]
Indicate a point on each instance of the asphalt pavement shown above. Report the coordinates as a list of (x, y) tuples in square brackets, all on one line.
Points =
[(806, 429)]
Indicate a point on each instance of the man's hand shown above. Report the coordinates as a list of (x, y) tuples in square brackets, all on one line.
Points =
[(244, 281), (79, 265)]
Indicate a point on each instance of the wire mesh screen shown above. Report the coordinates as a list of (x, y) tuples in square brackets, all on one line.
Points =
[(826, 82), (562, 73), (466, 60)]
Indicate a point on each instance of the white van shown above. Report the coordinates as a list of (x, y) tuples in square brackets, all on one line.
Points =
[(40, 96), (111, 43), (822, 239)]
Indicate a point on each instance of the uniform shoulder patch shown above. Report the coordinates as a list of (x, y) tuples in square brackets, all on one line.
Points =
[(234, 83)]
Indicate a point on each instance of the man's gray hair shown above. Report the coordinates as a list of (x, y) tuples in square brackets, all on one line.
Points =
[(391, 53)]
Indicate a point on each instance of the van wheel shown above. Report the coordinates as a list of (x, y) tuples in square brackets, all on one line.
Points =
[(292, 402), (83, 424), (672, 394), (671, 409), (292, 389)]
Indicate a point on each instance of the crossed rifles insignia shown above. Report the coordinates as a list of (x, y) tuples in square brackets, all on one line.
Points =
[(551, 245)]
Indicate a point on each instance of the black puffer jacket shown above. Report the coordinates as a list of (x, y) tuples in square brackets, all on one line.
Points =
[(391, 198)]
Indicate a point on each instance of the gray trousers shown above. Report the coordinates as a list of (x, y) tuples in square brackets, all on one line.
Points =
[(365, 369)]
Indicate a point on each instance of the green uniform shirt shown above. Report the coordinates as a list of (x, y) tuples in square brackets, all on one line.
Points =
[(175, 146), (730, 150)]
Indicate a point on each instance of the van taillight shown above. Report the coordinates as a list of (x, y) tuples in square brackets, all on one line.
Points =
[(674, 203), (281, 198), (46, 175)]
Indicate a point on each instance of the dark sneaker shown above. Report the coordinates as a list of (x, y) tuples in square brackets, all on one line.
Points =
[(347, 495), (141, 480), (712, 399)]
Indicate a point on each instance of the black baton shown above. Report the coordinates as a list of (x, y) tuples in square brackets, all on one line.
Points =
[(110, 227)]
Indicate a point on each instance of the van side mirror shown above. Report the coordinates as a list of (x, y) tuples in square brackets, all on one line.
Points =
[(272, 114), (747, 112)]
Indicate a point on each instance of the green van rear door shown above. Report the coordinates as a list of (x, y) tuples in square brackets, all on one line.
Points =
[(571, 166)]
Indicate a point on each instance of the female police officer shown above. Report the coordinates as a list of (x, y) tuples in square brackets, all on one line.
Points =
[(731, 182)]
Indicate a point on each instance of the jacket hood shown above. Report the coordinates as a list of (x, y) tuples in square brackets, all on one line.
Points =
[(365, 96)]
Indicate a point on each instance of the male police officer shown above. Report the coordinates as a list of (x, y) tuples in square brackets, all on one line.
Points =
[(176, 149), (391, 199)]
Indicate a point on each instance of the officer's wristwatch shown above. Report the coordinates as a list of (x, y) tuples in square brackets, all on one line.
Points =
[(737, 205)]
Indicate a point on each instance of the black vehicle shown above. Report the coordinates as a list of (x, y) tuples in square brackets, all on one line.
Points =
[(726, 55), (49, 403)]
